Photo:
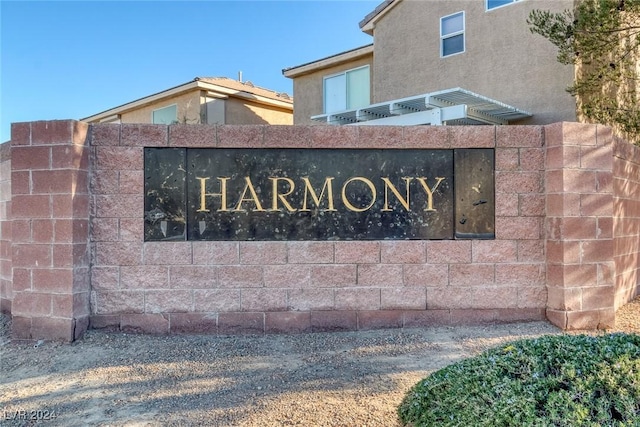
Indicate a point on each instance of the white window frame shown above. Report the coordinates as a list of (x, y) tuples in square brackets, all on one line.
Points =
[(487, 8), (443, 37), (342, 73), (162, 108)]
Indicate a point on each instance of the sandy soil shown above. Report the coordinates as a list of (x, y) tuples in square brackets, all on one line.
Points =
[(323, 379)]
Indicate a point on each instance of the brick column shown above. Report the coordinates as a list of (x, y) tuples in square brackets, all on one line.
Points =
[(50, 230), (579, 226)]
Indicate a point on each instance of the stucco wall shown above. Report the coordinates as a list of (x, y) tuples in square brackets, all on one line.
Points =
[(188, 109), (502, 59), (308, 89)]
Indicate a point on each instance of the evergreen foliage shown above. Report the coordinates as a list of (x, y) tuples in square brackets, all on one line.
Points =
[(599, 37), (555, 380)]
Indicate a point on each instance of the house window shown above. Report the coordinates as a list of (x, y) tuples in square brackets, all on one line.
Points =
[(165, 115), (493, 4), (347, 90), (452, 34)]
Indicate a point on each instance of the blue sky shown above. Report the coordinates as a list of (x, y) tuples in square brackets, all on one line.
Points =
[(68, 60)]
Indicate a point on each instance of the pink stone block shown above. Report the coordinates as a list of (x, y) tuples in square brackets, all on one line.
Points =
[(431, 275), (104, 183), (361, 252), (532, 297), (532, 159), (240, 277), (507, 159), (52, 132), (357, 299), (263, 253), (167, 253), (287, 276), (310, 252), (531, 251), (494, 251), (193, 323), (75, 157), (240, 136), (143, 135), (20, 134), (334, 136), (193, 277), (20, 183), (596, 157), (118, 206), (327, 275), (287, 322), (131, 229), (118, 253), (168, 301), (119, 158), (284, 136), (310, 299), (426, 318), (131, 182), (31, 304), (473, 136), (105, 134), (31, 206), (31, 255), (157, 324), (520, 274), (519, 228), (105, 278), (240, 323), (55, 329), (30, 158), (333, 321), (519, 182), (380, 275), (448, 251), (380, 319), (520, 136), (264, 300), (117, 302), (403, 252), (216, 300), (215, 253), (427, 137), (192, 135), (598, 297), (406, 298), (532, 205), (380, 137), (52, 280), (144, 277), (471, 275)]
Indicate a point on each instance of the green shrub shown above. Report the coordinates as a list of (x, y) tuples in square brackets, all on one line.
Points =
[(556, 380)]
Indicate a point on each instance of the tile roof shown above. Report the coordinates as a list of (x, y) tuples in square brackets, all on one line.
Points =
[(247, 87)]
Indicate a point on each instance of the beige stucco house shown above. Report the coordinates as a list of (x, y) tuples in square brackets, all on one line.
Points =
[(205, 100), (450, 51)]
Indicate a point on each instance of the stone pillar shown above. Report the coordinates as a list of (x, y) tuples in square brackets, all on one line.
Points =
[(50, 230), (579, 226)]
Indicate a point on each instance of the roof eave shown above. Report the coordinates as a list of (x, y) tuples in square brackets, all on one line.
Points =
[(329, 61), (369, 22)]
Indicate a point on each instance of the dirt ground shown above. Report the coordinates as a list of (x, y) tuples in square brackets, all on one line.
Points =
[(321, 379)]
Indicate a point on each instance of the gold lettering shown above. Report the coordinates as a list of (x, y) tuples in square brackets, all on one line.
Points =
[(222, 194), (348, 204), (254, 197), (430, 191), (277, 196), (308, 189), (389, 185)]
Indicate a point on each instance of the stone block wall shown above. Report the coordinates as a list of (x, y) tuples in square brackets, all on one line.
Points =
[(78, 253)]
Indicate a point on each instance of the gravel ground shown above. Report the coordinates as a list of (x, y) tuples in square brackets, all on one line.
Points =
[(321, 379)]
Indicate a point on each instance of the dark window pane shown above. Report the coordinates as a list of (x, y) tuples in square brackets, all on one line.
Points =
[(453, 45)]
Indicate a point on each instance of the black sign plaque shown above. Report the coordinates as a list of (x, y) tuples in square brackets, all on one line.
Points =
[(304, 194)]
